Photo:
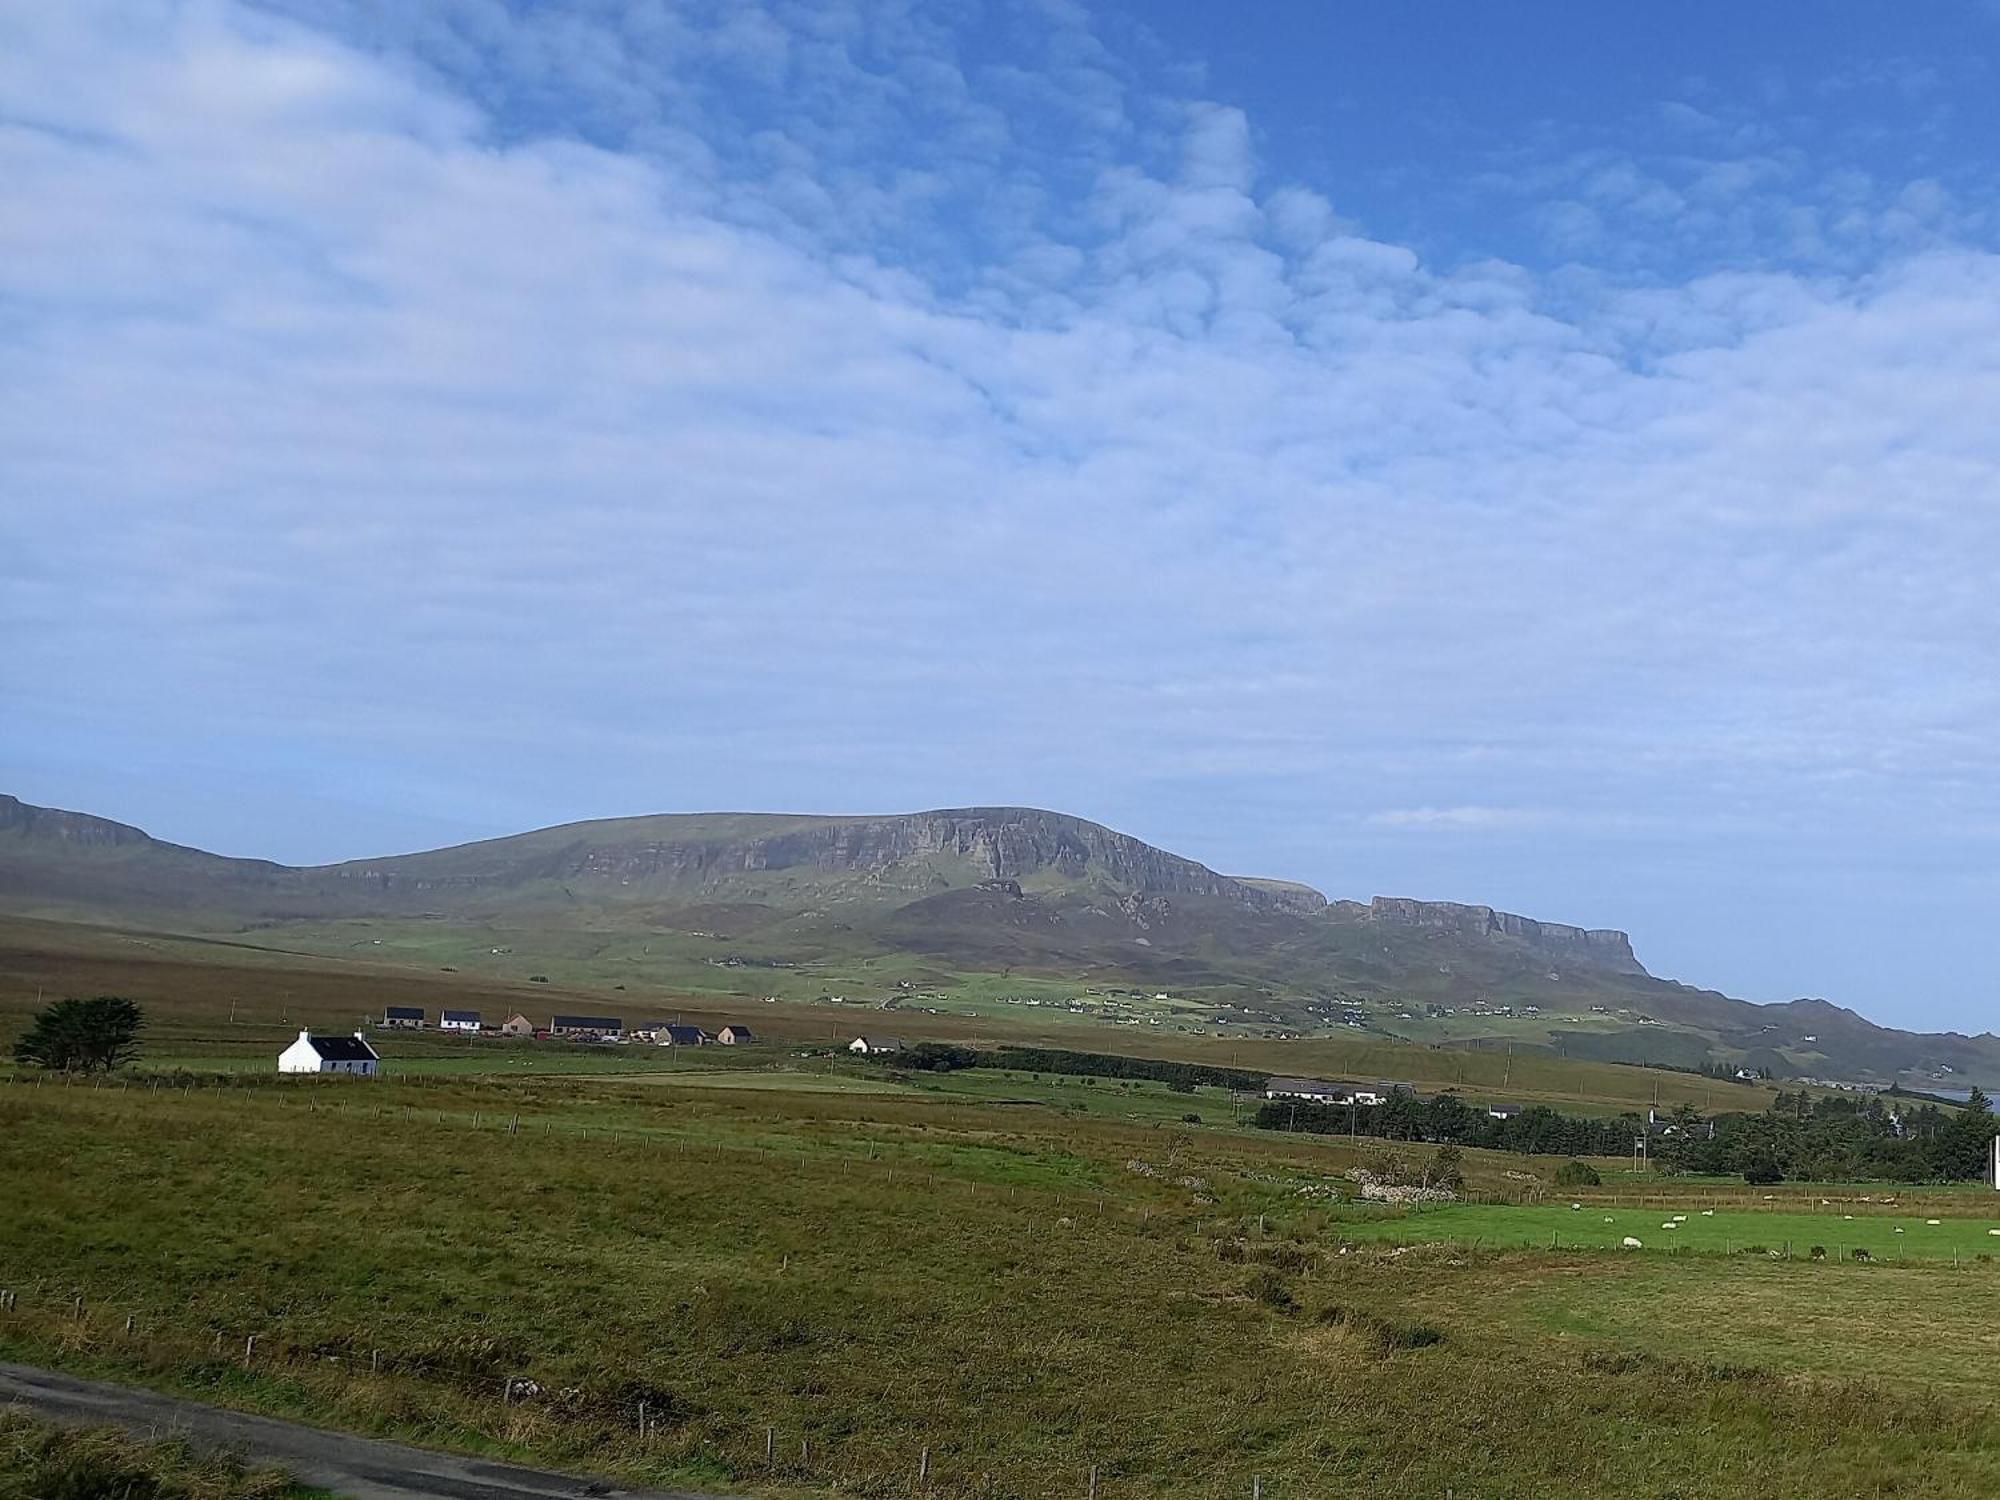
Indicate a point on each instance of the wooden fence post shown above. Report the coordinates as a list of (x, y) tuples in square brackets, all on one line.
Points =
[(924, 1467), (249, 1349)]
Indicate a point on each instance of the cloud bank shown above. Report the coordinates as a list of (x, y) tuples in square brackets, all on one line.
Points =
[(488, 415)]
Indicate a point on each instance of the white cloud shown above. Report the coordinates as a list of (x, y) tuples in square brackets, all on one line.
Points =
[(508, 406)]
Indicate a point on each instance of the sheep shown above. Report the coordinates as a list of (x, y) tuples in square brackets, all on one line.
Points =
[(1628, 1243)]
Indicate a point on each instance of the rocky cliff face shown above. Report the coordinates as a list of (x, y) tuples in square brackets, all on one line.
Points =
[(69, 830), (916, 851), (1605, 947)]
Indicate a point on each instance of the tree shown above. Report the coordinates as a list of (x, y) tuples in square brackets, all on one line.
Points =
[(81, 1035), (1762, 1172), (1577, 1174), (1447, 1169)]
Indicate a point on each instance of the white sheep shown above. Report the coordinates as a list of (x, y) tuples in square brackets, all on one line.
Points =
[(1629, 1243)]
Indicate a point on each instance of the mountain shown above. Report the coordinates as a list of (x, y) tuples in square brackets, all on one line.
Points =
[(951, 905)]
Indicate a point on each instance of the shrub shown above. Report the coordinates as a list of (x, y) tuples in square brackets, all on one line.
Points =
[(1577, 1174), (1762, 1172), (1269, 1288), (1190, 1119)]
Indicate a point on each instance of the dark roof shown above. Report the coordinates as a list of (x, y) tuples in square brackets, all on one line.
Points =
[(683, 1034), (739, 1030), (461, 1015), (405, 1012), (1305, 1086), (585, 1023), (342, 1048)]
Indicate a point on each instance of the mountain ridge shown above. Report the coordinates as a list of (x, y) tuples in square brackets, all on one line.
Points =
[(667, 898)]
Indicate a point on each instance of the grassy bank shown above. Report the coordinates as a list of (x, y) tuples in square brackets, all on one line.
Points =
[(844, 1281)]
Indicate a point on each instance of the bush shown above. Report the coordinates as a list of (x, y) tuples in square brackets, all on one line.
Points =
[(1577, 1174), (1269, 1288), (1762, 1172)]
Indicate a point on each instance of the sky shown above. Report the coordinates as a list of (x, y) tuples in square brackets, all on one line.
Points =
[(1543, 456)]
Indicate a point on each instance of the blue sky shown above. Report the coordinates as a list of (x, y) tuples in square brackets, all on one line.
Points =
[(1543, 455)]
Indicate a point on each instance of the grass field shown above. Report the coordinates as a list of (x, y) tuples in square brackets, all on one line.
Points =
[(221, 1002), (1885, 1235), (1024, 1291)]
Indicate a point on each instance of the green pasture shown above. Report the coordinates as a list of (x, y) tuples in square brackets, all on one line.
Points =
[(1840, 1230)]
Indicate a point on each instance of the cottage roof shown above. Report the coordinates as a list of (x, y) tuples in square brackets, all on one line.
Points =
[(405, 1012), (586, 1023), (341, 1048), (461, 1015)]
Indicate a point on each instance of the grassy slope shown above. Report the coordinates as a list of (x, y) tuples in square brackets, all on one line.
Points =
[(883, 1274), (191, 987)]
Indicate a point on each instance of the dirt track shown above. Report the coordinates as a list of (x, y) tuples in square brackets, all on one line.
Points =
[(358, 1467)]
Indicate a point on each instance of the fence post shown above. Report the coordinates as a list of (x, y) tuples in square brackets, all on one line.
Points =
[(249, 1350), (924, 1467), (770, 1447), (1093, 1482)]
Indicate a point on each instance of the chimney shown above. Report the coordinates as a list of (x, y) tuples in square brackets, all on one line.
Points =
[(304, 1035)]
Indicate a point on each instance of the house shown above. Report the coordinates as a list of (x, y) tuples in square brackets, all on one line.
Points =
[(586, 1026), (875, 1046), (734, 1036), (458, 1020), (1502, 1111), (673, 1034), (1308, 1091), (517, 1025), (330, 1054), (404, 1015)]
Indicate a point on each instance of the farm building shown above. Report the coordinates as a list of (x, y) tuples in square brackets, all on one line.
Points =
[(517, 1025), (586, 1026), (330, 1054), (1308, 1090), (875, 1046), (1502, 1111), (674, 1034), (458, 1020), (734, 1036), (404, 1015)]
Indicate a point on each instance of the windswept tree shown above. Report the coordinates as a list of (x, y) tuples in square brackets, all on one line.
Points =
[(83, 1035)]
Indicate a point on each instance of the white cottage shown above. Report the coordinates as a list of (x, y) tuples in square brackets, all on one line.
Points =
[(875, 1046), (330, 1054)]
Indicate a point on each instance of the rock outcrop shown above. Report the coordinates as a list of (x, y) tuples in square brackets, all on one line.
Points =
[(1604, 947)]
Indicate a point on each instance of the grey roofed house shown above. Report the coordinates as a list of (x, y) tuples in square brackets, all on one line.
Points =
[(403, 1015), (595, 1025), (872, 1045), (733, 1036), (459, 1018), (681, 1036), (1503, 1111), (1312, 1090)]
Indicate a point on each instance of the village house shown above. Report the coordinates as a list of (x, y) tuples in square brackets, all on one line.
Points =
[(875, 1046), (330, 1054), (1502, 1111), (586, 1026), (734, 1036), (458, 1020), (674, 1034), (1308, 1091), (517, 1025), (404, 1015)]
